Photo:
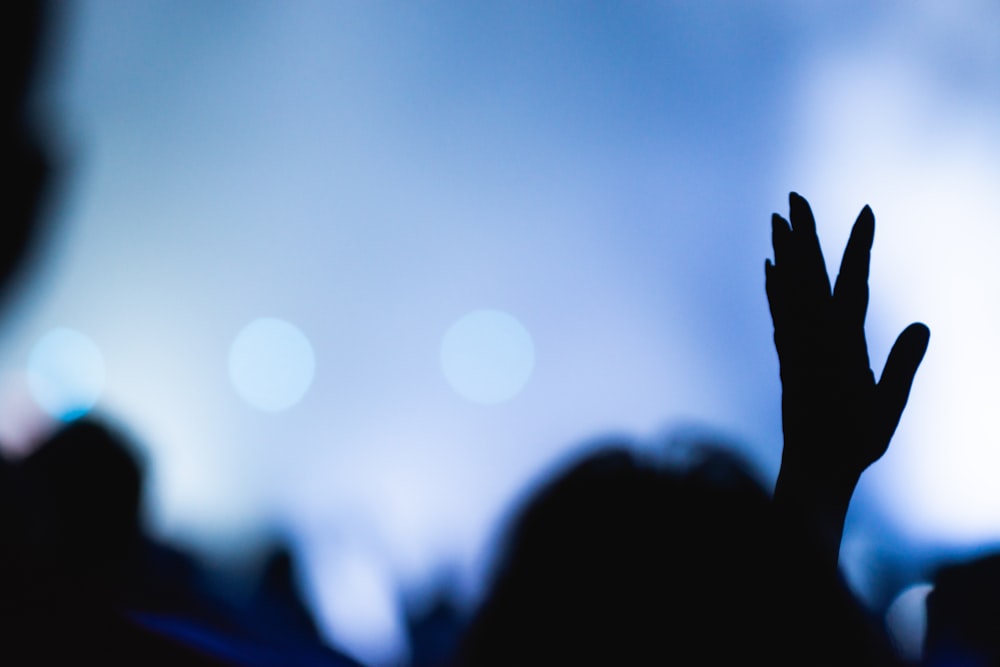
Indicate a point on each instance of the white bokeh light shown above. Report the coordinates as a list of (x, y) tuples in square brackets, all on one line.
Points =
[(271, 364), (906, 620), (408, 187), (354, 596), (65, 374), (487, 356), (924, 155)]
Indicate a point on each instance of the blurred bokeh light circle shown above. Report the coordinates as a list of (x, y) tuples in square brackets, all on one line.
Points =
[(65, 374), (487, 356), (906, 620), (271, 364)]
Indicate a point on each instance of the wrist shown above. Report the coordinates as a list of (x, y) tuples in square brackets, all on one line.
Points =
[(816, 505)]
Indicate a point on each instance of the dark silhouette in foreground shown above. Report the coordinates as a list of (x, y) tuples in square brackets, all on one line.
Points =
[(963, 614), (26, 162), (434, 629), (69, 542), (623, 561), (80, 580), (836, 419), (620, 561)]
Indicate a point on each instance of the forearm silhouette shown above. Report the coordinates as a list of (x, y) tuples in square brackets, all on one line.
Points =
[(837, 420)]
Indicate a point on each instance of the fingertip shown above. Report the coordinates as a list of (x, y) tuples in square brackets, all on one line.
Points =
[(801, 214), (781, 233), (920, 333), (862, 233), (911, 346), (905, 358), (867, 218)]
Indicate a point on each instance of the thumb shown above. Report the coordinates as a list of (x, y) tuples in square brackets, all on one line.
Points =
[(893, 388)]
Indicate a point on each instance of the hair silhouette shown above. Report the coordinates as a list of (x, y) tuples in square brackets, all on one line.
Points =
[(963, 614), (620, 561)]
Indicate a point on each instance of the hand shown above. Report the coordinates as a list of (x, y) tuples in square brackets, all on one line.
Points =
[(836, 419)]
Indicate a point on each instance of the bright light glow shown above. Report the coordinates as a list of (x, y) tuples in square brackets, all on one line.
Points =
[(65, 374), (356, 603), (271, 364), (487, 356), (604, 182), (925, 158), (906, 620)]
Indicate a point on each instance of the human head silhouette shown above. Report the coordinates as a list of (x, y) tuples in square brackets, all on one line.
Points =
[(621, 560)]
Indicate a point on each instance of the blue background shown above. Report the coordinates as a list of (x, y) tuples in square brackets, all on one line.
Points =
[(604, 173)]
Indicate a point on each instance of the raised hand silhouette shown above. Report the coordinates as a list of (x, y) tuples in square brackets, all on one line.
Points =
[(837, 420)]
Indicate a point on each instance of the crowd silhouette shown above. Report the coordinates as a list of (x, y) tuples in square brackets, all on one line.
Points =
[(619, 559)]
